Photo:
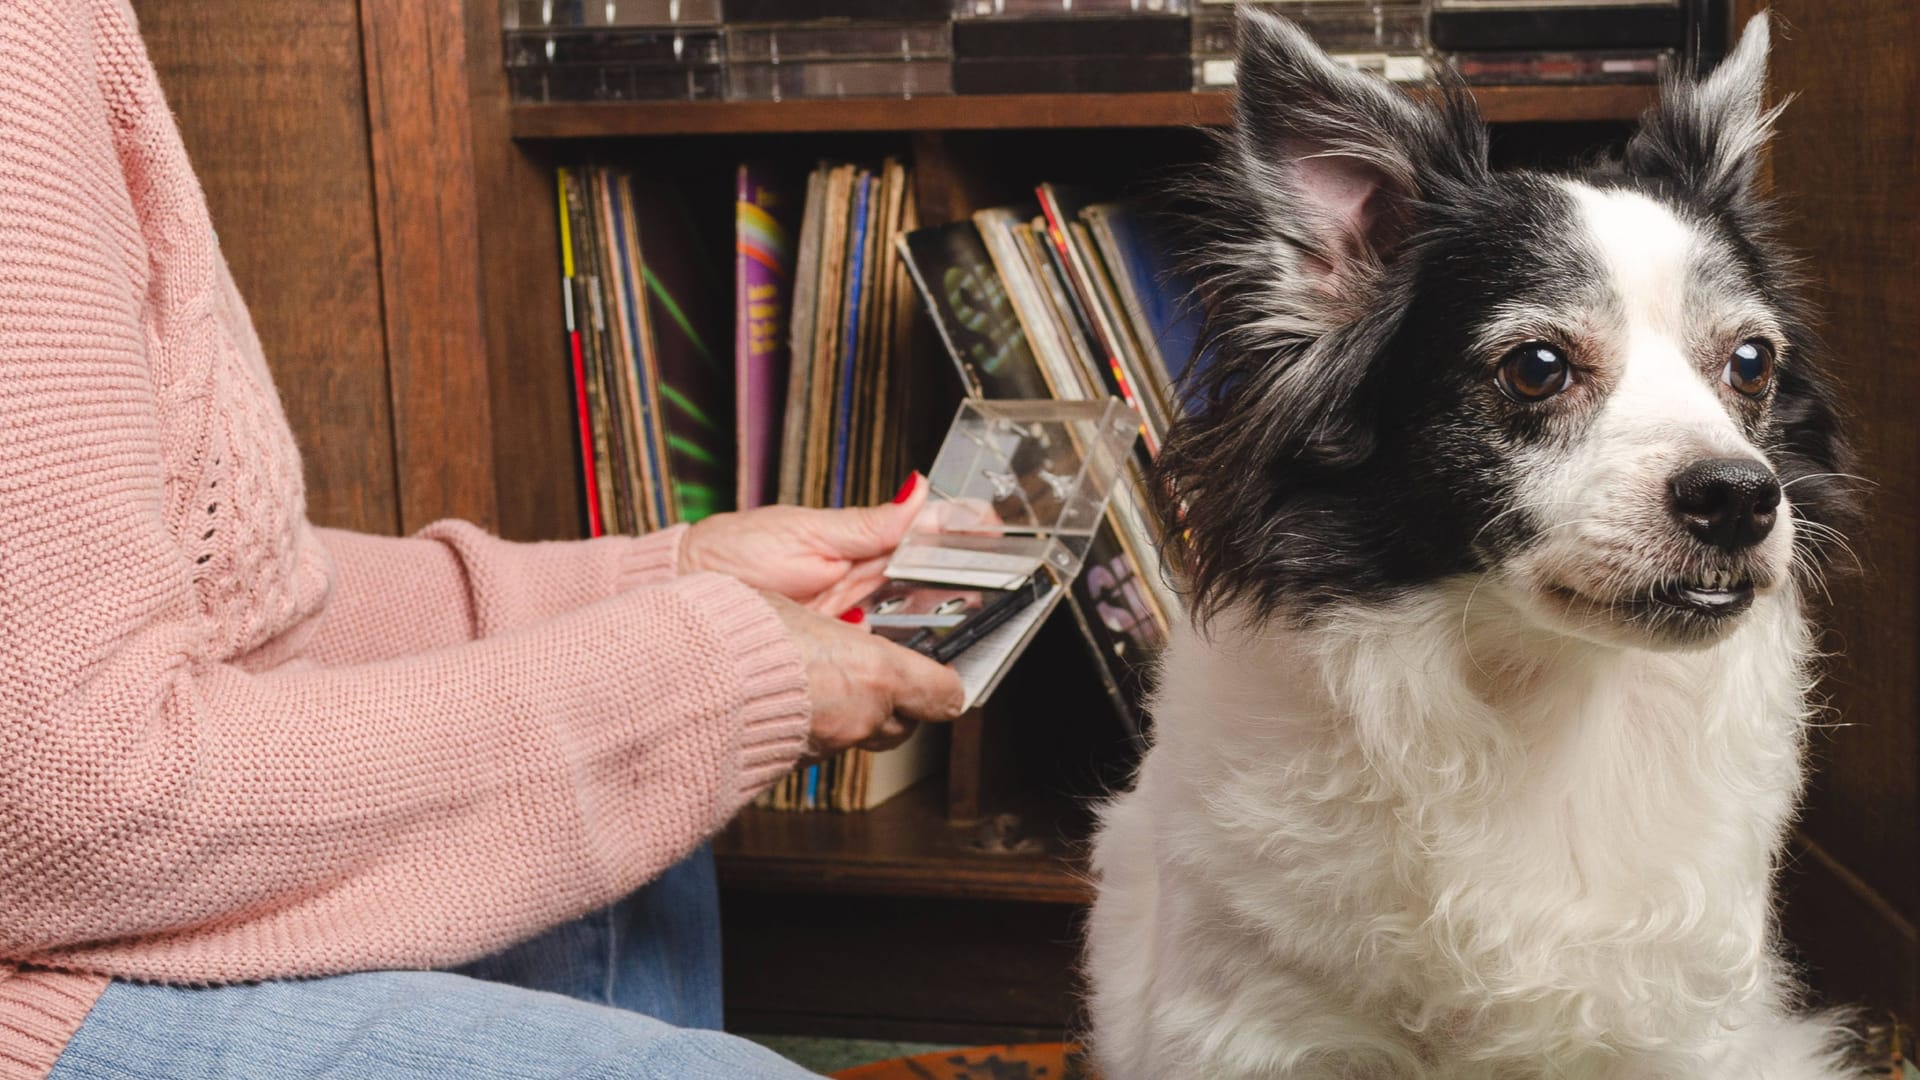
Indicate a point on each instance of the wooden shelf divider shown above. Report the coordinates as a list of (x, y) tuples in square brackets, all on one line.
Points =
[(1502, 104)]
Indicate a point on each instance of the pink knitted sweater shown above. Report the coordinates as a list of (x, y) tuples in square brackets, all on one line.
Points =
[(234, 746)]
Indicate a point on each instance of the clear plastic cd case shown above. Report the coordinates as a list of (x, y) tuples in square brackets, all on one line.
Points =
[(1387, 38), (626, 64), (839, 41), (590, 14), (1016, 9), (573, 83), (1217, 72), (636, 47), (839, 78), (1019, 489)]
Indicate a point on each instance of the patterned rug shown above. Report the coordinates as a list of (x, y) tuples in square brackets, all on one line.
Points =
[(1890, 1045), (1035, 1061)]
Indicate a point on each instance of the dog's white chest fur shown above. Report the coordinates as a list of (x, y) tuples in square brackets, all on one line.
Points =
[(1410, 843)]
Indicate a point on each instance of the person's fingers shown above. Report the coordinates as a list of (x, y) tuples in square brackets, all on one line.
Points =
[(860, 580), (889, 734), (923, 689), (865, 532)]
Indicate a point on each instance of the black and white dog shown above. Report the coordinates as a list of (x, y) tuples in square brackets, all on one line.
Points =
[(1496, 516)]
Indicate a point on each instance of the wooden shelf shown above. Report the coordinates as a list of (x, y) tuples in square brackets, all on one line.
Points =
[(1502, 104), (907, 848)]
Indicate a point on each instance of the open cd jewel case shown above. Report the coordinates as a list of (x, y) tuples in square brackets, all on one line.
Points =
[(1019, 489)]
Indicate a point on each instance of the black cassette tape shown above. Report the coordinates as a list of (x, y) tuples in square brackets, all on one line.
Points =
[(1559, 27), (1072, 75), (799, 11), (1053, 39)]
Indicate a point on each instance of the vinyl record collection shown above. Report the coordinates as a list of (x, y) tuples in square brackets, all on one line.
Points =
[(823, 310), (1062, 298), (650, 381), (774, 50)]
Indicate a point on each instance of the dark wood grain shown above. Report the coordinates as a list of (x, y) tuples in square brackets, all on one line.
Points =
[(964, 769), (421, 126), (271, 102), (535, 468), (1855, 948), (1501, 104), (1847, 162)]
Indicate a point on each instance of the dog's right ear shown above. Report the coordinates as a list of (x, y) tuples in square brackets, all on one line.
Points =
[(1336, 160), (1299, 230), (1317, 193)]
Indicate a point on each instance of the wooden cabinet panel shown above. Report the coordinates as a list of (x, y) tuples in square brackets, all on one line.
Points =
[(420, 127), (1847, 163), (536, 464), (271, 101)]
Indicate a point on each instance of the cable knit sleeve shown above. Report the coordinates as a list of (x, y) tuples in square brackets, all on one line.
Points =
[(168, 818), (453, 582), (179, 798)]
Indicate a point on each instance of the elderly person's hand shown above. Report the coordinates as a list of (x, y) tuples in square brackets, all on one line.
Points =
[(828, 560), (865, 690)]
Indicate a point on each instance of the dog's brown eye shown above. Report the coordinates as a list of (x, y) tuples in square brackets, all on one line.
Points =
[(1750, 369), (1534, 372)]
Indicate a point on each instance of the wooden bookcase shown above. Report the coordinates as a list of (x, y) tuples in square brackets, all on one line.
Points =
[(993, 852), (405, 279)]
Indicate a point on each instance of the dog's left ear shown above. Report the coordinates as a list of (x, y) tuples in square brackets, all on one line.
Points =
[(1706, 137)]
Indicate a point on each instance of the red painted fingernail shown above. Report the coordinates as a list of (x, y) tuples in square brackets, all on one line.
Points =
[(853, 615), (906, 489)]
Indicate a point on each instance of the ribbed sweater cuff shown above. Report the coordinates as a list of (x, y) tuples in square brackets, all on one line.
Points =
[(774, 708), (649, 559), (39, 1012)]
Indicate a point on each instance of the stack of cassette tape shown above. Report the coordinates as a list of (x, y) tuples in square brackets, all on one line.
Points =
[(613, 50), (780, 49), (1385, 37), (1071, 46), (1571, 41)]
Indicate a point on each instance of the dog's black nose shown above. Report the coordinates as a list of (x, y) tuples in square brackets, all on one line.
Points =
[(1727, 502)]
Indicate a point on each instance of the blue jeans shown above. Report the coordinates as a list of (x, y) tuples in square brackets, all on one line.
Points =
[(632, 991)]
